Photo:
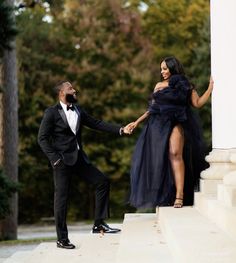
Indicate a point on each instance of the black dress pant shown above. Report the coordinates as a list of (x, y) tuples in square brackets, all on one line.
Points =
[(62, 179)]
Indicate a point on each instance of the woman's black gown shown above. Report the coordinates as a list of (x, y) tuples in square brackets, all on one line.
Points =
[(152, 181)]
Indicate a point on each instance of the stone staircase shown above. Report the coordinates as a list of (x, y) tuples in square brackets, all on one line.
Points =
[(142, 241), (218, 205), (170, 235), (139, 241), (193, 238)]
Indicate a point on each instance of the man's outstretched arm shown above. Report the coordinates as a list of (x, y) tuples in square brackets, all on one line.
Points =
[(100, 125)]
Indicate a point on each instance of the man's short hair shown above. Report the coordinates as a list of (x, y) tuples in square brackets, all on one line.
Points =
[(59, 85)]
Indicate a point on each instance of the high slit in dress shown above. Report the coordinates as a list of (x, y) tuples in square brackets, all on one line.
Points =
[(152, 180)]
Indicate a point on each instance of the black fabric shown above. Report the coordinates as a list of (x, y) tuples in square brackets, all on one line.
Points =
[(152, 181), (70, 107), (62, 179), (60, 145), (57, 139)]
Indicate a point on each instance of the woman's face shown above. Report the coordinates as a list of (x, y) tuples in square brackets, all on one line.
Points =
[(165, 71)]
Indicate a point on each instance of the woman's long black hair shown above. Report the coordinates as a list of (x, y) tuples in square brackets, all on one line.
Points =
[(174, 66)]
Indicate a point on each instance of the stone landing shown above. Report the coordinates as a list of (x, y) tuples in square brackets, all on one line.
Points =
[(170, 236)]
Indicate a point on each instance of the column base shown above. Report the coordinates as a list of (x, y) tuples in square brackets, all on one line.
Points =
[(217, 198), (220, 164)]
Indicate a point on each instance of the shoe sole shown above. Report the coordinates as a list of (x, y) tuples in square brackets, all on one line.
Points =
[(103, 232), (65, 247)]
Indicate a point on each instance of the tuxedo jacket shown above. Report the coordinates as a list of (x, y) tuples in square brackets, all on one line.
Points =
[(56, 138)]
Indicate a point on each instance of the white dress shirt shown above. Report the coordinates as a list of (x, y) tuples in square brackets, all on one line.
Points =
[(72, 118)]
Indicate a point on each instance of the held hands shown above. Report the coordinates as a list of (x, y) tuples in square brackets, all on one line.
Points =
[(128, 129)]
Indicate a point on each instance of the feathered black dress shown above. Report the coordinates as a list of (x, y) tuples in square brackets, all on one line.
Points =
[(152, 181)]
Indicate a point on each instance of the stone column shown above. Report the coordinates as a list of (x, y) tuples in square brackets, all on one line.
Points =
[(222, 159)]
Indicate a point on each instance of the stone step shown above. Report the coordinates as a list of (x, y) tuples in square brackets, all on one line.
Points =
[(217, 211), (209, 186), (8, 251), (202, 201), (141, 241), (90, 248), (220, 192), (223, 216), (227, 195), (18, 257), (193, 238)]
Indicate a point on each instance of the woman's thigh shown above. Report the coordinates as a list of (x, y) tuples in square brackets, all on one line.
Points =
[(176, 141)]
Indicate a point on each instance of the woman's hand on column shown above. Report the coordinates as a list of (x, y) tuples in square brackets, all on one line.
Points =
[(197, 101), (211, 84)]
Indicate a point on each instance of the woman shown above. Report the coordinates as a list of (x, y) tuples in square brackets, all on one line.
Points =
[(169, 154)]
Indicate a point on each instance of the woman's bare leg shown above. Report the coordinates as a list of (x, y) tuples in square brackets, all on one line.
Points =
[(176, 144)]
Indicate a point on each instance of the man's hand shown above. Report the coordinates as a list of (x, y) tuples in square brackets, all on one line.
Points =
[(128, 129), (131, 126)]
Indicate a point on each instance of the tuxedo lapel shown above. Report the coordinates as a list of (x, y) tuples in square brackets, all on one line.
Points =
[(79, 118), (63, 115)]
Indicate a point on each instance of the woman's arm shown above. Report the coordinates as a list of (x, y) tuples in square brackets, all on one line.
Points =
[(197, 101), (142, 118), (131, 126)]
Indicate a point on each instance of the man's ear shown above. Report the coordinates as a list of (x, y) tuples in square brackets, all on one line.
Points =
[(61, 92)]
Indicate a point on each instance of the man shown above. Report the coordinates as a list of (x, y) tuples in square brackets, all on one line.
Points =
[(60, 139)]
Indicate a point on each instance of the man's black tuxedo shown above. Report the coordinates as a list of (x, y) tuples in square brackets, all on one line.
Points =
[(60, 145), (57, 139)]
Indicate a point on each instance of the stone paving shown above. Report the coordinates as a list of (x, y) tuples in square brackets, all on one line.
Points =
[(26, 232)]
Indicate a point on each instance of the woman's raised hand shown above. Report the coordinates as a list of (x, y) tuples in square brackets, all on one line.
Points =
[(211, 83)]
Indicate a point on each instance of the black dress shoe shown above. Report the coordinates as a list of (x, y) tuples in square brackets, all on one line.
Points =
[(104, 228), (65, 244)]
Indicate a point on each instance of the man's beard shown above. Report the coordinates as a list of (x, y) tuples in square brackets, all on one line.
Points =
[(70, 98)]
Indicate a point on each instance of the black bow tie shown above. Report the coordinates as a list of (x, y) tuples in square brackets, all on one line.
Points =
[(71, 107)]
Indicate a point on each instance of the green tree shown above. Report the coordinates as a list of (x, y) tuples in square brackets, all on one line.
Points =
[(7, 188), (8, 29)]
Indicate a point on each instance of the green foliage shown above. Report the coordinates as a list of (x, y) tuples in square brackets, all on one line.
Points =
[(7, 188), (8, 29), (110, 50)]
